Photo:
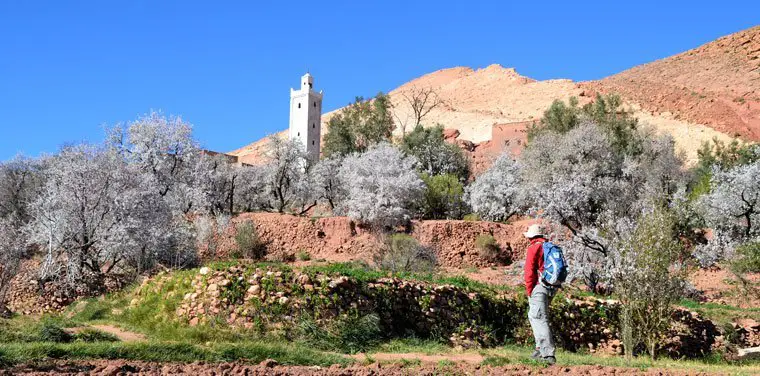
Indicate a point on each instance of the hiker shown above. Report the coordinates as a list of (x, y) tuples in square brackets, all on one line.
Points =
[(540, 285)]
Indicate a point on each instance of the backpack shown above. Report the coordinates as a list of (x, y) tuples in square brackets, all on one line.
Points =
[(555, 267)]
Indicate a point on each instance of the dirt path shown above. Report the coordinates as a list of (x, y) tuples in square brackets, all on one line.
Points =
[(119, 367), (121, 334), (423, 358)]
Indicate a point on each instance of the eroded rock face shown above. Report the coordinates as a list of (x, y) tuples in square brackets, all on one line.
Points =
[(339, 239)]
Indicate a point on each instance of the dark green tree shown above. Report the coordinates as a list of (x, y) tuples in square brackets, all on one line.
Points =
[(358, 126), (443, 197), (605, 111), (435, 155), (718, 154)]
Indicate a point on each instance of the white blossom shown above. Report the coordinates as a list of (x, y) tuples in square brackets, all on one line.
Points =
[(381, 186)]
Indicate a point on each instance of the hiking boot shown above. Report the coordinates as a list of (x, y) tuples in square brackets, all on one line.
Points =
[(536, 355), (550, 360)]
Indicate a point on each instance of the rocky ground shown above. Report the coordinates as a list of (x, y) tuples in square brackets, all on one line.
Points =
[(269, 368)]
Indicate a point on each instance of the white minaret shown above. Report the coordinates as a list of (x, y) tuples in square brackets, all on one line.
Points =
[(306, 116)]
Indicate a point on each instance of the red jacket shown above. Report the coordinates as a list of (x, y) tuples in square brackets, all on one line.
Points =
[(534, 264)]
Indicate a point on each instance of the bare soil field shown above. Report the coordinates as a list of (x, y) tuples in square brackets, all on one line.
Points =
[(119, 367)]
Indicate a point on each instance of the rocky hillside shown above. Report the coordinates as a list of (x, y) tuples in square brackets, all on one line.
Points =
[(716, 84), (711, 91)]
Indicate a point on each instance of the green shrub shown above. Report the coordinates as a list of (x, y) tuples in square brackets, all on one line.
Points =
[(722, 155), (304, 256), (474, 217), (443, 197), (402, 253), (349, 333), (94, 335), (748, 258), (50, 331), (645, 284), (249, 245), (488, 248)]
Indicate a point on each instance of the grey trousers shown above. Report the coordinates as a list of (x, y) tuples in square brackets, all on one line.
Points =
[(538, 315)]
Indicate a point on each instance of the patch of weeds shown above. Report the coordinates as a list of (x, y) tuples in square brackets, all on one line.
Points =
[(249, 245), (304, 256), (749, 258), (234, 292), (408, 363), (94, 335), (446, 363), (413, 345), (348, 334), (364, 273), (472, 217), (52, 331), (18, 329), (288, 354), (495, 361)]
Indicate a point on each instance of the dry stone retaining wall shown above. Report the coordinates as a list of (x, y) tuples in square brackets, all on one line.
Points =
[(273, 300)]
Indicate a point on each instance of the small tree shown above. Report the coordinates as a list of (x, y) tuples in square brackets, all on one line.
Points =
[(443, 197), (381, 185), (11, 252), (647, 281), (20, 182), (434, 154), (359, 126), (496, 194), (98, 214), (421, 100), (721, 156), (251, 191), (402, 253), (163, 148), (285, 175), (222, 180), (328, 187), (732, 208), (606, 111), (209, 231), (249, 245)]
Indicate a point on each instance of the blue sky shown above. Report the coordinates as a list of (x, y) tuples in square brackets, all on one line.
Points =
[(67, 68)]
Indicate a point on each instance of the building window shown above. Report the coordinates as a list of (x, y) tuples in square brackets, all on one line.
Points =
[(312, 142), (299, 105), (315, 104), (313, 125), (299, 134), (310, 85)]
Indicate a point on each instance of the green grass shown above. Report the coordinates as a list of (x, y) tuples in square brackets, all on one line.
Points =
[(721, 314), (364, 273), (254, 352), (411, 345), (521, 355), (170, 339)]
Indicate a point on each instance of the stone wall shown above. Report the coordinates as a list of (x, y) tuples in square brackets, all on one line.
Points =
[(275, 300)]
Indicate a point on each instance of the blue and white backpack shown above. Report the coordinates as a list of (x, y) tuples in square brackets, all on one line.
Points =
[(555, 267)]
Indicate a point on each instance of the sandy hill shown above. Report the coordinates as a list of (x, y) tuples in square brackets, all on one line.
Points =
[(711, 91)]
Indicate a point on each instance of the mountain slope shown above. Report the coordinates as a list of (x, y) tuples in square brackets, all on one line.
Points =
[(716, 84), (709, 92)]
